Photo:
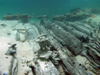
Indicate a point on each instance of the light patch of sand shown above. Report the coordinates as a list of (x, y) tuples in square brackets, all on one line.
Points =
[(4, 60), (81, 59), (95, 19), (24, 49)]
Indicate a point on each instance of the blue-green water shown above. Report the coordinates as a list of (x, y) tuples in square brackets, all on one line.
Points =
[(44, 7)]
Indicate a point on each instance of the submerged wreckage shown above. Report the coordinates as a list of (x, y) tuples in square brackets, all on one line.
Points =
[(59, 42)]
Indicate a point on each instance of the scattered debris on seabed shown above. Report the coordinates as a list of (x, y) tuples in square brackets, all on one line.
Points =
[(67, 45)]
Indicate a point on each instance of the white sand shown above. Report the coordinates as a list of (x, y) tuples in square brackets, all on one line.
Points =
[(24, 50)]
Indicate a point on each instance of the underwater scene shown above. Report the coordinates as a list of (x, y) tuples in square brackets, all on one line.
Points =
[(49, 37)]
